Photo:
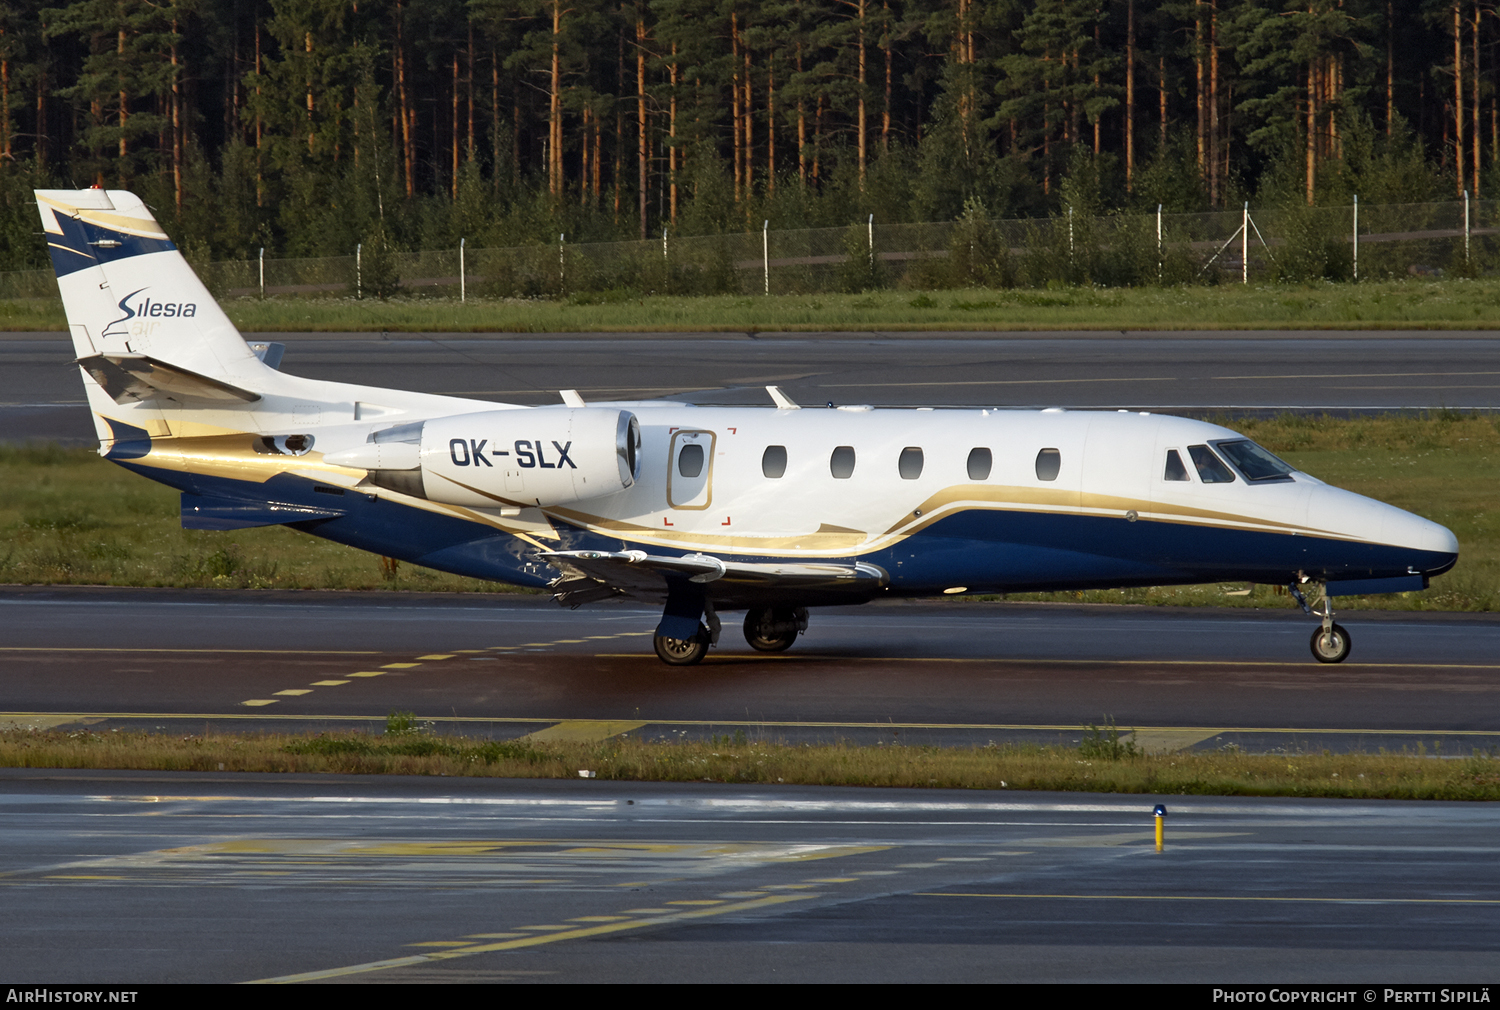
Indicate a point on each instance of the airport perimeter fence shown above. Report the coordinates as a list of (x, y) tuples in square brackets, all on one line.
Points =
[(1371, 242)]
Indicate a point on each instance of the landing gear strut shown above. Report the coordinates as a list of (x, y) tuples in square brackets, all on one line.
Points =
[(774, 629), (1330, 643)]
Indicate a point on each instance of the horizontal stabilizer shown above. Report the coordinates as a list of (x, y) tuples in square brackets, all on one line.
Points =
[(128, 378), (207, 512)]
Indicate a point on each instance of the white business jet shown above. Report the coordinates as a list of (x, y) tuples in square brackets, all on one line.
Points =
[(770, 510)]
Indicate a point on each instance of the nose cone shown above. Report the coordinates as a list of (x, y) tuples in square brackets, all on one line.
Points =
[(1433, 547)]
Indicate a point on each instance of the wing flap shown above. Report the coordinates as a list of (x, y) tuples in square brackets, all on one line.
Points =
[(636, 573)]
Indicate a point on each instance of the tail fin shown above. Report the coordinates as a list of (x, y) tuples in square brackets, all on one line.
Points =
[(128, 292)]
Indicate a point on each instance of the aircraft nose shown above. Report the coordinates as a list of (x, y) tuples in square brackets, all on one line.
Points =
[(1434, 545)]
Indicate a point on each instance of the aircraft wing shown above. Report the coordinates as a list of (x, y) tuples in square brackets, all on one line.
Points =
[(597, 575), (128, 378)]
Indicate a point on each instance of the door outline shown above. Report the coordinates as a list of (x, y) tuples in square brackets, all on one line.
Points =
[(694, 435)]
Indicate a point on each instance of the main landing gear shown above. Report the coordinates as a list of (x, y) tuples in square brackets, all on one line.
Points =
[(774, 629), (691, 650), (1330, 643)]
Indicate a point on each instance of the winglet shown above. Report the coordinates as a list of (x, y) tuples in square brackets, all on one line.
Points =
[(571, 398), (783, 402)]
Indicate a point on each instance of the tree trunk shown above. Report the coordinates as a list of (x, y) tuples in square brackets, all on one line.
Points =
[(176, 122), (771, 124), (862, 150), (1130, 96), (885, 113), (1213, 104), (640, 96), (554, 108), (672, 154), (734, 96), (1475, 102), (1458, 100)]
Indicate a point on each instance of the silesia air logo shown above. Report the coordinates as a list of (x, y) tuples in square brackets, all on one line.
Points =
[(146, 309)]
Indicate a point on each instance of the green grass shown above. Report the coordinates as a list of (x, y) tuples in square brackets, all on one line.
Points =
[(1412, 304), (737, 759), (67, 516)]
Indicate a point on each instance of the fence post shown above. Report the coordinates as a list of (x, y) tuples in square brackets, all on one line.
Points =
[(359, 277), (562, 271), (765, 252), (1245, 246), (463, 290), (1160, 257), (664, 245), (1466, 226), (1070, 233), (263, 271), (1356, 236)]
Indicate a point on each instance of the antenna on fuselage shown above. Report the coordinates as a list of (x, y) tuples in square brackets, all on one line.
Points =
[(783, 402)]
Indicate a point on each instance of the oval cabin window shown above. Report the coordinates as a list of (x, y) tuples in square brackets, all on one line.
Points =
[(910, 464), (773, 462), (1048, 463), (980, 462), (690, 460), (841, 463)]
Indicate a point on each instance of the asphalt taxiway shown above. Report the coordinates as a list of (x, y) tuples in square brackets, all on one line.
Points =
[(130, 877), (914, 673), (1187, 372)]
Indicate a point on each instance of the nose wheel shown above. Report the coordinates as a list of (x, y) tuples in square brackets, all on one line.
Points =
[(1331, 644)]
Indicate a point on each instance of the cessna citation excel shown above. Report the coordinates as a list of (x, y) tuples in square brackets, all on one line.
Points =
[(771, 510)]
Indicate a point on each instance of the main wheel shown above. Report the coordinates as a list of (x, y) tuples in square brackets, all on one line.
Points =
[(1331, 646), (770, 630), (682, 651)]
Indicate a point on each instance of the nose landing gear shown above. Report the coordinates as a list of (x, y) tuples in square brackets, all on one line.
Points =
[(1330, 643)]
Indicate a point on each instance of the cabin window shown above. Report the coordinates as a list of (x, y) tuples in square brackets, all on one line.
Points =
[(773, 461), (1211, 469), (1048, 463), (910, 464), (1254, 462), (690, 460), (841, 463), (980, 462), (1175, 469)]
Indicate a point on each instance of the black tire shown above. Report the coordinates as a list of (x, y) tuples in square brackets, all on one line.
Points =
[(682, 651), (1332, 647), (770, 630)]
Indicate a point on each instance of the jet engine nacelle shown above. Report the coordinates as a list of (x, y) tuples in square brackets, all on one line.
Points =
[(496, 458)]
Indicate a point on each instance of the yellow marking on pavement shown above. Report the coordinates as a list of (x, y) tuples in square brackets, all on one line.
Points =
[(599, 918), (1167, 742), (603, 929), (439, 943), (441, 655), (648, 911), (328, 683), (258, 702), (80, 876), (554, 926), (1222, 897), (568, 641), (368, 673), (584, 730), (752, 723), (399, 666), (295, 691), (493, 936), (743, 894), (697, 901), (44, 721), (831, 880)]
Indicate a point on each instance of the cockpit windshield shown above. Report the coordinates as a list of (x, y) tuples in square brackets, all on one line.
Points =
[(1254, 462), (1211, 469)]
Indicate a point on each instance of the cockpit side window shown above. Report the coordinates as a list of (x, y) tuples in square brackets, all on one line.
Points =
[(1255, 463), (1175, 470), (1211, 469)]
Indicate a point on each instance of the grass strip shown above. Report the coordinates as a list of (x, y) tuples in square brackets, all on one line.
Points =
[(1455, 303), (69, 517), (1102, 764)]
